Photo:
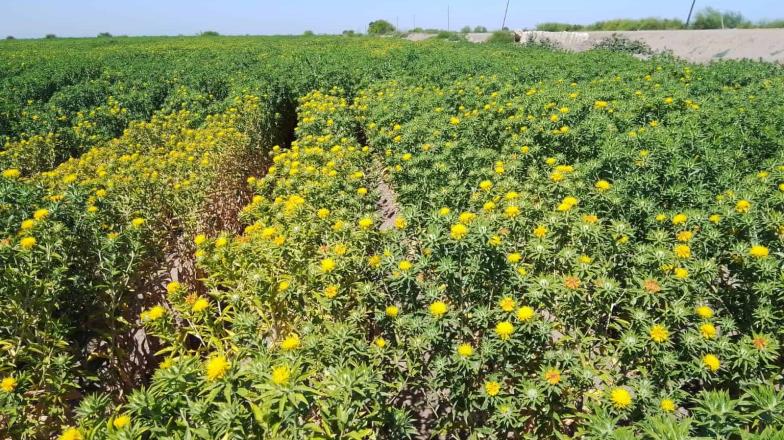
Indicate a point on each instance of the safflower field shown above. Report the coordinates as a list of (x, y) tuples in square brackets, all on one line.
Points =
[(284, 238)]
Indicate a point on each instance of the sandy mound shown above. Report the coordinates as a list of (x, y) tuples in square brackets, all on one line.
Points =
[(694, 45)]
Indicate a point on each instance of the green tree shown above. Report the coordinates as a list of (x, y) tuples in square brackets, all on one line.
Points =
[(380, 27), (480, 29), (710, 18), (465, 29)]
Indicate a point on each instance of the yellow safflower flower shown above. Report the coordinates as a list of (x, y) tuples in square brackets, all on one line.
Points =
[(281, 375), (603, 185), (708, 330), (331, 291), (552, 376), (153, 314), (659, 333), (466, 217), (71, 434), (525, 313), (682, 251), (11, 173), (200, 305), (711, 362), (27, 243), (507, 304), (173, 287), (504, 330), (8, 384), (458, 231), (122, 421), (567, 204), (438, 309), (492, 388), (667, 405), (392, 311), (679, 219), (590, 219), (327, 265), (704, 312), (291, 342), (758, 251), (465, 350), (40, 214), (365, 223), (684, 236), (621, 398), (216, 367), (681, 273)]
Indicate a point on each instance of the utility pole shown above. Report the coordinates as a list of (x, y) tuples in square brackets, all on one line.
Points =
[(503, 23), (414, 21), (397, 23), (448, 24), (688, 19)]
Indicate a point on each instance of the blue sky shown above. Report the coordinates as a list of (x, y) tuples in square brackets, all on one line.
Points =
[(34, 18)]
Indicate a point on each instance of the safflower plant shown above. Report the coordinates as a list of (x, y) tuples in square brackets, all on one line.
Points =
[(576, 253)]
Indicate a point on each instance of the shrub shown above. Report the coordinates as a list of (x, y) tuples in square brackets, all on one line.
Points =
[(380, 27), (617, 43), (558, 27), (501, 37), (450, 36), (710, 18)]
